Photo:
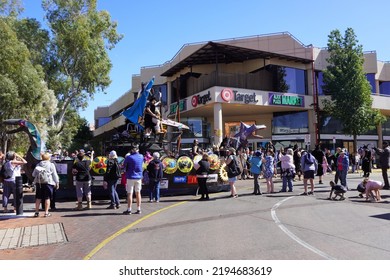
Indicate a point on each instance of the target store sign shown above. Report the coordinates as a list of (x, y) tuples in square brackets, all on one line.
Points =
[(200, 99), (227, 94)]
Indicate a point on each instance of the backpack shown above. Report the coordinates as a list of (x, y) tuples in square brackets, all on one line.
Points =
[(43, 176), (234, 169), (309, 159), (5, 173)]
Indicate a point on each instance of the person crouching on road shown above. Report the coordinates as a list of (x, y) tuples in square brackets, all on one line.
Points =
[(44, 191), (133, 166), (373, 189)]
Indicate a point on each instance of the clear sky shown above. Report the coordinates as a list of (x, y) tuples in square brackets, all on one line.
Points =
[(154, 30)]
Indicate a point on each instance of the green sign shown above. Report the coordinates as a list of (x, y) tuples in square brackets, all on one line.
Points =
[(286, 100), (182, 106)]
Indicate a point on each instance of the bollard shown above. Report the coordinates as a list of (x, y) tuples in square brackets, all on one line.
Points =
[(18, 195)]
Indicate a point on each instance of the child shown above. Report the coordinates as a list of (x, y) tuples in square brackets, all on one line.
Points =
[(338, 190), (371, 188)]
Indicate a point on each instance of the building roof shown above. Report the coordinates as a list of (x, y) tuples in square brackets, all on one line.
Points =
[(213, 52)]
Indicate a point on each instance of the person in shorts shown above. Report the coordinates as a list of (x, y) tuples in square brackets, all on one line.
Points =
[(134, 173), (309, 166)]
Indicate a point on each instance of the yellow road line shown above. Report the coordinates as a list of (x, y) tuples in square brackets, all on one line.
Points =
[(123, 230)]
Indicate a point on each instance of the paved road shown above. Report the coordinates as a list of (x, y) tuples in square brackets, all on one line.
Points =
[(280, 226)]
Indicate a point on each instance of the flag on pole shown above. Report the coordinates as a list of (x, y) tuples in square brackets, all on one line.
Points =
[(136, 112)]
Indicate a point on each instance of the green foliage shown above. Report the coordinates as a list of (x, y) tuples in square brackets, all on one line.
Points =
[(345, 81)]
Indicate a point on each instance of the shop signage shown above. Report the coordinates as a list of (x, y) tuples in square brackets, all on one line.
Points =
[(286, 100), (234, 95), (200, 99), (179, 179), (191, 179), (182, 107)]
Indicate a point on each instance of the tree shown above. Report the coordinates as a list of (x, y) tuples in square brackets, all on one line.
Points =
[(23, 92), (81, 37), (350, 91)]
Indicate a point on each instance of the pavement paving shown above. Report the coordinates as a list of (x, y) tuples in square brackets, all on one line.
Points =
[(72, 235)]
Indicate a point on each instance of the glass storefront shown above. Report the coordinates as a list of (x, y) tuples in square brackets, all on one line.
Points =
[(290, 123)]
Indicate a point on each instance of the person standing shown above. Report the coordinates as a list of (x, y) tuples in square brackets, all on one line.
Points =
[(133, 166), (195, 150), (44, 190), (81, 168), (111, 177), (269, 170), (309, 167), (384, 157), (150, 113), (155, 171), (255, 164), (343, 166), (297, 161), (13, 166), (288, 170), (231, 163), (366, 162), (319, 156), (202, 172), (335, 162)]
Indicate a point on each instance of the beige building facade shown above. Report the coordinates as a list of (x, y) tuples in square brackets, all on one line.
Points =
[(272, 79)]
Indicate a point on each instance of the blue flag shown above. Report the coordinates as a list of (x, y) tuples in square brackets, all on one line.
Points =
[(136, 112)]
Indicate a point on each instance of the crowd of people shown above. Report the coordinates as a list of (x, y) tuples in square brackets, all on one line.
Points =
[(291, 164)]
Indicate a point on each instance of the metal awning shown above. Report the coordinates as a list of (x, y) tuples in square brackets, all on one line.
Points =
[(212, 53)]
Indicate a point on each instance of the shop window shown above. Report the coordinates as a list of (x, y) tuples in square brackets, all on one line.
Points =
[(290, 123)]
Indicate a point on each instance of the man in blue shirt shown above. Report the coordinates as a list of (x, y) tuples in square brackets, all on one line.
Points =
[(133, 168)]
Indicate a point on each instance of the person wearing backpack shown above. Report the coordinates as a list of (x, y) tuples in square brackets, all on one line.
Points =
[(12, 168), (155, 173), (45, 180), (111, 177), (309, 167)]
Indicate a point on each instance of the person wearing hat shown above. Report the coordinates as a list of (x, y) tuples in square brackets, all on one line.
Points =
[(232, 163), (81, 168), (384, 157), (134, 173), (155, 171), (110, 179), (255, 164)]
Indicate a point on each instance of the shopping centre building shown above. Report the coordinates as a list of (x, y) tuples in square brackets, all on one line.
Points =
[(272, 80)]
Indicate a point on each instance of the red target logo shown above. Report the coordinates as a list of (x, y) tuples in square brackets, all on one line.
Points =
[(194, 101), (227, 94)]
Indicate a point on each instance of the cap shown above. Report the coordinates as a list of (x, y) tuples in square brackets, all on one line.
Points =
[(232, 150), (82, 151), (113, 154)]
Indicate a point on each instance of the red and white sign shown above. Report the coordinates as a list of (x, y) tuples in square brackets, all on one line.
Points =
[(227, 94)]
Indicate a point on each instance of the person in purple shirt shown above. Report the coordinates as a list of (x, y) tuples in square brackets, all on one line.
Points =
[(133, 168)]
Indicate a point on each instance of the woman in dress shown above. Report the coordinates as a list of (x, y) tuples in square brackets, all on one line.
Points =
[(269, 169)]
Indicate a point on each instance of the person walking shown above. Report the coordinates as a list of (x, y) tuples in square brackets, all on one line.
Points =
[(12, 165), (288, 170), (45, 179), (155, 173), (255, 161), (111, 177), (384, 157), (133, 166), (232, 164), (202, 171), (309, 167)]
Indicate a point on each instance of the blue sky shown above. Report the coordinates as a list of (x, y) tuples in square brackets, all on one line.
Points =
[(154, 31)]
